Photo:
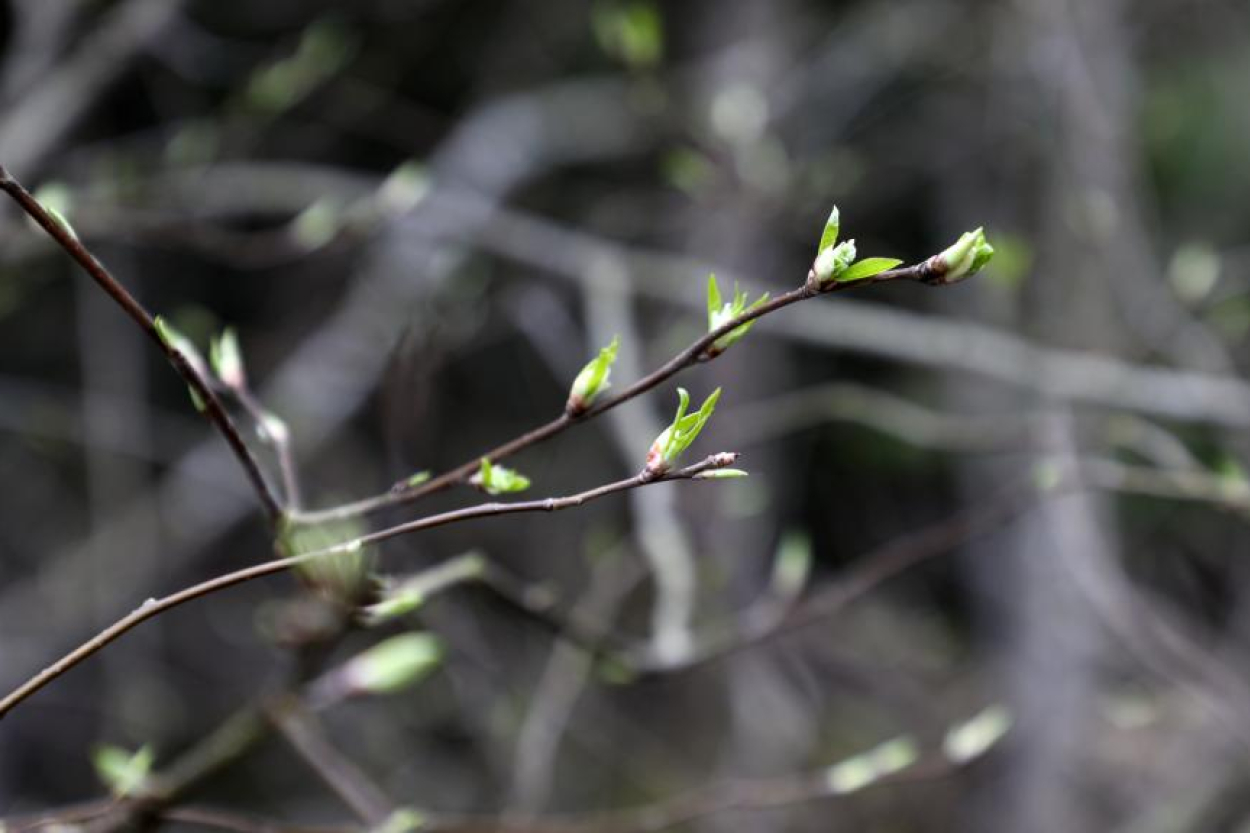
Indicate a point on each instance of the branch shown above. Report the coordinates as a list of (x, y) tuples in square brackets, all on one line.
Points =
[(278, 438), (699, 352), (213, 409), (833, 782), (340, 774), (154, 607)]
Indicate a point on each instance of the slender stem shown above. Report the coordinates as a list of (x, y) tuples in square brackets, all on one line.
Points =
[(281, 446), (340, 774), (213, 410), (154, 607), (697, 352)]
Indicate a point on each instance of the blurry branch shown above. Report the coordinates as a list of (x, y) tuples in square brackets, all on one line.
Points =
[(201, 389), (299, 727), (35, 124), (212, 818), (662, 536), (1231, 493), (233, 739), (868, 572), (894, 762), (154, 607), (698, 352), (274, 432), (564, 677), (879, 410), (897, 335)]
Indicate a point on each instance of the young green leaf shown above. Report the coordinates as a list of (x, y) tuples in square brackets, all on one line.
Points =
[(860, 771), (415, 480), (720, 313), (593, 379), (57, 200), (125, 773), (179, 343), (721, 474), (677, 437), (975, 736), (829, 236), (867, 268), (400, 597), (713, 301), (497, 480)]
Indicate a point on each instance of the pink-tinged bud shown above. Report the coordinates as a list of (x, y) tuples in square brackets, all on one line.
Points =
[(227, 359), (656, 465)]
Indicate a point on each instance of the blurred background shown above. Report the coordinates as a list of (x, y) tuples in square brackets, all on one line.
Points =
[(1025, 491)]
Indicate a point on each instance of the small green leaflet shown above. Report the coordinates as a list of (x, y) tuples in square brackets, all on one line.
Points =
[(683, 430), (867, 268), (830, 235), (497, 480), (123, 772), (594, 378), (720, 313)]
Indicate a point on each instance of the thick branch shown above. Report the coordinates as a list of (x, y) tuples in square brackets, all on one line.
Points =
[(213, 409)]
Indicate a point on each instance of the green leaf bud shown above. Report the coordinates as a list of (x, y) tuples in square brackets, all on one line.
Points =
[(677, 437), (593, 379), (392, 665), (497, 480), (869, 267), (965, 258), (833, 261), (125, 773)]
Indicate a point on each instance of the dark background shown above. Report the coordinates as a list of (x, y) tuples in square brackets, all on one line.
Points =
[(570, 171)]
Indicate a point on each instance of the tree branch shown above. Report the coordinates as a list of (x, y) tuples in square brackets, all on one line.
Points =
[(698, 352), (154, 607), (213, 409), (340, 774)]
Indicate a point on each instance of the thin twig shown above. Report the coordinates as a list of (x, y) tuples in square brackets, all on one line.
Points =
[(869, 571), (696, 353), (213, 409), (154, 607), (299, 726), (280, 441)]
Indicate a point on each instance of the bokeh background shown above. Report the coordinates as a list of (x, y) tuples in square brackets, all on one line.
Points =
[(422, 217)]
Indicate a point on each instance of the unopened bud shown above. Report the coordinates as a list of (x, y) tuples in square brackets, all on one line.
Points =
[(392, 665), (593, 379), (964, 259), (227, 359), (833, 261)]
